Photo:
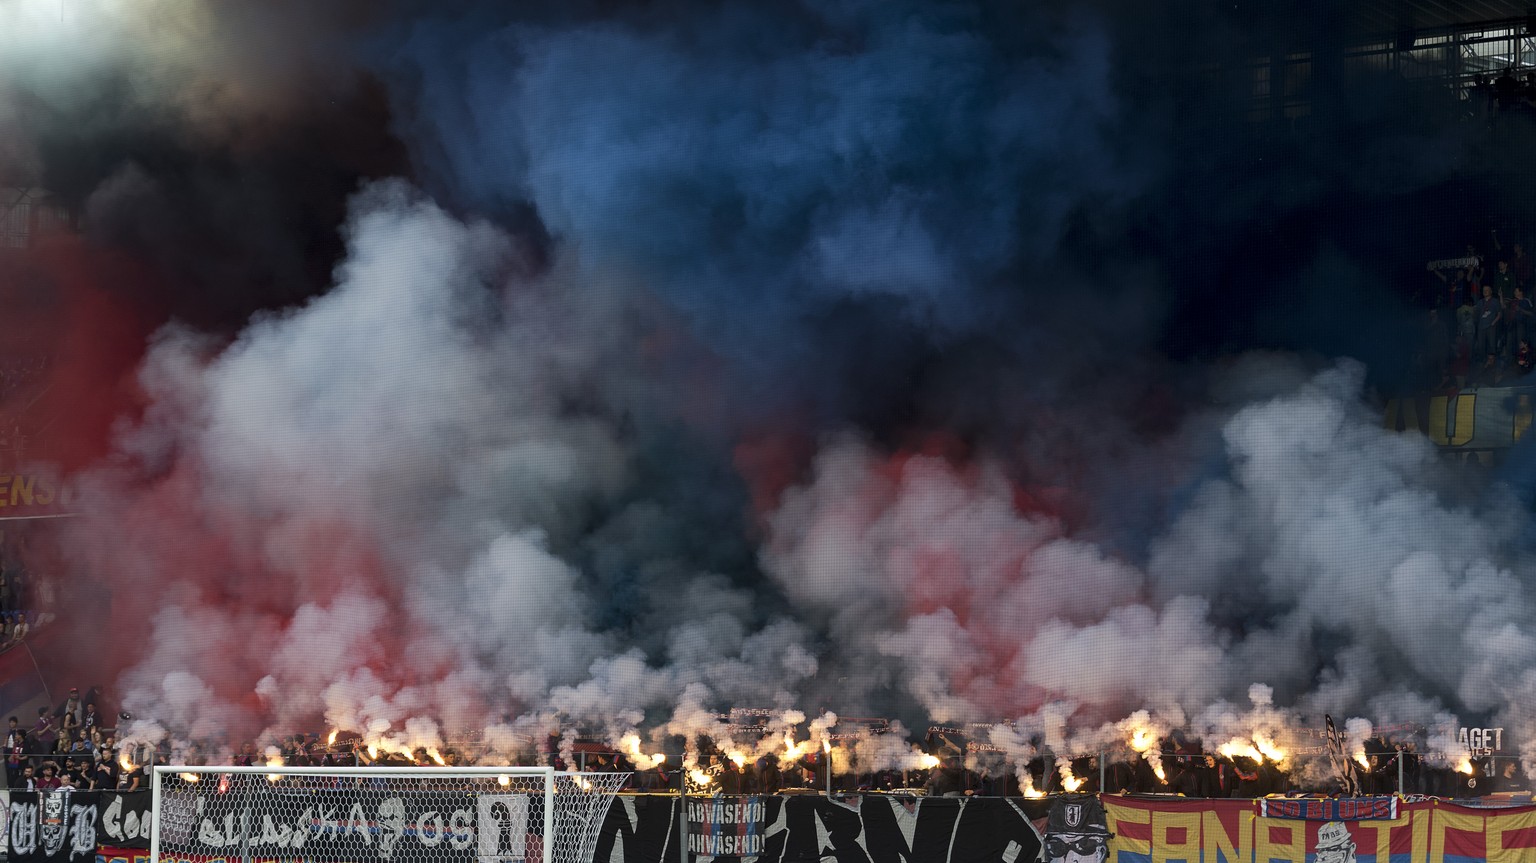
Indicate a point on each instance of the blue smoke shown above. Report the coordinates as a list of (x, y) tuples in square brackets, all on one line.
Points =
[(768, 169)]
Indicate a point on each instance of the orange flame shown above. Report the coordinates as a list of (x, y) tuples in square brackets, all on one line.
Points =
[(1238, 748), (1069, 782), (792, 750), (1267, 745), (631, 744)]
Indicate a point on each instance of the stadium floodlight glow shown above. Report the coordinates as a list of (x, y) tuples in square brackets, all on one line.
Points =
[(384, 814)]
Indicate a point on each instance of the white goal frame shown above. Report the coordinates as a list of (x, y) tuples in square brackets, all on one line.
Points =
[(160, 770)]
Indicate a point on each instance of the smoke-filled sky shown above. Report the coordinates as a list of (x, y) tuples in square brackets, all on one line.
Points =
[(611, 364)]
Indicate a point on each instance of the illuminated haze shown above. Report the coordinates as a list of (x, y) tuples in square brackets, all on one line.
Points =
[(664, 359)]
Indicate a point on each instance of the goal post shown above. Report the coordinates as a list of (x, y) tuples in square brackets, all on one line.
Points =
[(376, 814)]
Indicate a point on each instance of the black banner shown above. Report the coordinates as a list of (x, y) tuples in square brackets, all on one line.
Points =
[(375, 824), (356, 823), (847, 829), (125, 819), (53, 827)]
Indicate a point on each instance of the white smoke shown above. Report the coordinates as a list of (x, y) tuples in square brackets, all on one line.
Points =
[(397, 475)]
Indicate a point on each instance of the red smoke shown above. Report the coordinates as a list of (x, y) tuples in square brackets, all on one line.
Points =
[(79, 308), (76, 307)]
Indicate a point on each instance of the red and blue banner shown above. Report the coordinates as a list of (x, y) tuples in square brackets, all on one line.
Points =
[(1235, 831)]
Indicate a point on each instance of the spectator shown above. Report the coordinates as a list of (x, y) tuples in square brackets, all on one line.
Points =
[(1466, 319), (1504, 282), (1506, 90), (1489, 310), (90, 721), (50, 779), (15, 748), (1457, 289), (1219, 778), (105, 772), (1520, 265), (1523, 358), (137, 779), (70, 775), (1524, 315), (44, 734), (28, 781), (70, 711)]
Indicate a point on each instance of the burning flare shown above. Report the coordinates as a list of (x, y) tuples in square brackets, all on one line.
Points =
[(792, 750), (1239, 748), (927, 762), (330, 739), (1144, 742), (1069, 782), (1267, 745), (630, 743)]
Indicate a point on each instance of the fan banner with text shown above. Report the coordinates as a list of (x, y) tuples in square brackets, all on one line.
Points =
[(1236, 831)]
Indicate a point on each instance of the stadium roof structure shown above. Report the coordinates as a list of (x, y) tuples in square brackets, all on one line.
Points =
[(1432, 44), (1380, 17)]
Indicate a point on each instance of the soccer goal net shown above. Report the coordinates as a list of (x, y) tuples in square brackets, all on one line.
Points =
[(383, 814)]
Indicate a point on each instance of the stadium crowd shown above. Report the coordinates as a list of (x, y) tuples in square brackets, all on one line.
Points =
[(1481, 319), (70, 746)]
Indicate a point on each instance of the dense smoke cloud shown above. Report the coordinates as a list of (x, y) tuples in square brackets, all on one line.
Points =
[(803, 360)]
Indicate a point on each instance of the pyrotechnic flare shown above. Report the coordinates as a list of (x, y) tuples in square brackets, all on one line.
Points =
[(1069, 782)]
